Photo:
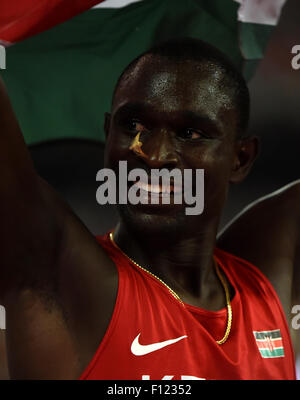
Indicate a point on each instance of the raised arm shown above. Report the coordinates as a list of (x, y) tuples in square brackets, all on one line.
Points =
[(57, 284), (23, 202), (267, 233)]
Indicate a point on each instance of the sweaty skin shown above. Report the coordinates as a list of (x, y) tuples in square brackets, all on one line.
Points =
[(59, 287), (163, 103)]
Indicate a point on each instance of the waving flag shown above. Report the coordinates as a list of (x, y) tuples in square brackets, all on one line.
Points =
[(265, 12), (19, 20), (61, 80)]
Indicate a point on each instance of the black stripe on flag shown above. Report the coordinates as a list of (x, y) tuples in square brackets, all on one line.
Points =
[(270, 334)]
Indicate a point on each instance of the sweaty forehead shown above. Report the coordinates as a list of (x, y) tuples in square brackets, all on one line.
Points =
[(170, 86)]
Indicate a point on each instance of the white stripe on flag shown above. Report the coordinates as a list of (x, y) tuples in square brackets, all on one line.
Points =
[(266, 12), (115, 3)]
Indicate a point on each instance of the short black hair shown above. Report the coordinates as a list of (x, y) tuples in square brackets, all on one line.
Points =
[(192, 49)]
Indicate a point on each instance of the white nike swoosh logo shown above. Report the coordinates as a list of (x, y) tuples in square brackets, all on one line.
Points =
[(140, 350)]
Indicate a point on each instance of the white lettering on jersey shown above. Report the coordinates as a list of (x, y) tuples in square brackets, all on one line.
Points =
[(170, 377)]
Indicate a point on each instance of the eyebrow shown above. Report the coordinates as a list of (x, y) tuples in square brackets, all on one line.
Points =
[(128, 108), (203, 118), (196, 118)]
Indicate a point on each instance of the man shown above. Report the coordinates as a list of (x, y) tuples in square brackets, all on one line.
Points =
[(155, 299)]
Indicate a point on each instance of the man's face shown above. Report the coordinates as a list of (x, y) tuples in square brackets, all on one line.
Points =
[(187, 120)]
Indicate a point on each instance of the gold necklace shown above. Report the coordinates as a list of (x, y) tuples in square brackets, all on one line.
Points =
[(174, 294)]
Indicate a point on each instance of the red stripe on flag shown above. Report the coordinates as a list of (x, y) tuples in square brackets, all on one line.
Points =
[(19, 20), (269, 344)]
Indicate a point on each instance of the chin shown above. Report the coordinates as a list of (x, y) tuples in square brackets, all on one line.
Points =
[(149, 221)]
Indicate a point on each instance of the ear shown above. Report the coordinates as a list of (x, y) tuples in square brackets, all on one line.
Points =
[(246, 152), (107, 118)]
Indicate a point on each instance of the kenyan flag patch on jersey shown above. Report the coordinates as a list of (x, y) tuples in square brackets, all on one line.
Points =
[(269, 343)]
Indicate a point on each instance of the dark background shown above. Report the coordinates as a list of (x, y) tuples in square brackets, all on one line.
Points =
[(71, 166)]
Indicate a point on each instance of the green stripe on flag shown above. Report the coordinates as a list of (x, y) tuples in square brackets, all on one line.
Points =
[(254, 39), (266, 353)]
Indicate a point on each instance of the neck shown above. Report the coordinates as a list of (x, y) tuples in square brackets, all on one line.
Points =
[(184, 262)]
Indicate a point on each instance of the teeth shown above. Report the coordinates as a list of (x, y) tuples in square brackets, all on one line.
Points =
[(156, 188)]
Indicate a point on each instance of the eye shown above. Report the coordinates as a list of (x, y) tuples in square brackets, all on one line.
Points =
[(193, 134), (135, 125)]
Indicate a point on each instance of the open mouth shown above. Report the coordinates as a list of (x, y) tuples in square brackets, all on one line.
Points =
[(158, 189)]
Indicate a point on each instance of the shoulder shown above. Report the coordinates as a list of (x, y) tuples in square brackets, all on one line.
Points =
[(265, 233), (265, 228), (253, 287)]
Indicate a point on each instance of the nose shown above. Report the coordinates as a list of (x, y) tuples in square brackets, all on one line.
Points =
[(158, 150)]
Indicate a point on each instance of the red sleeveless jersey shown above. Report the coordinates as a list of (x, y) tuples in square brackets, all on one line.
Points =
[(152, 335)]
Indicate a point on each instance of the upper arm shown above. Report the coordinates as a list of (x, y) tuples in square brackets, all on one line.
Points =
[(57, 317), (31, 231), (59, 310), (30, 224)]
